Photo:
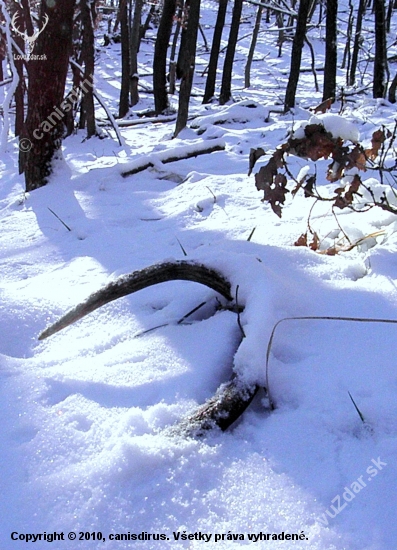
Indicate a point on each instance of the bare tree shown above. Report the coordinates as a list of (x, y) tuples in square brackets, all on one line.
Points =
[(216, 44), (134, 49), (380, 63), (188, 64), (296, 54), (331, 55), (160, 57), (47, 78), (357, 43), (124, 104), (88, 16), (247, 72), (226, 88)]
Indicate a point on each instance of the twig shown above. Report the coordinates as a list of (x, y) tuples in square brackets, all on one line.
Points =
[(56, 215)]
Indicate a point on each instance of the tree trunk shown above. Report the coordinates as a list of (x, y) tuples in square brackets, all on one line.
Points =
[(226, 88), (134, 49), (172, 70), (247, 73), (331, 55), (88, 16), (124, 104), (216, 43), (357, 43), (47, 79), (296, 54), (392, 90), (189, 61), (160, 57), (380, 63)]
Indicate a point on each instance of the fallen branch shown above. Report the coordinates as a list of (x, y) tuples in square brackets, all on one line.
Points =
[(182, 153), (231, 398)]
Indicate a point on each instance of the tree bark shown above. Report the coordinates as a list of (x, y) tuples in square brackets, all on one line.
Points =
[(88, 15), (216, 44), (296, 54), (124, 104), (380, 63), (160, 57), (247, 72), (187, 68), (134, 49), (47, 79), (331, 55), (357, 43), (226, 88)]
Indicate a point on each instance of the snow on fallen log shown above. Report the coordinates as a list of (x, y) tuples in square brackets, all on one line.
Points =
[(178, 153)]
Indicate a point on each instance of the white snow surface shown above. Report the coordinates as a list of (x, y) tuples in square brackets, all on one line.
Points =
[(83, 413)]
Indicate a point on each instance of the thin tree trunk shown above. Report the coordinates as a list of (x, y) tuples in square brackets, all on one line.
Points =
[(380, 63), (247, 72), (88, 15), (330, 66), (296, 54), (160, 57), (172, 70), (189, 60), (47, 79), (216, 43), (134, 49), (226, 88), (125, 60), (357, 43)]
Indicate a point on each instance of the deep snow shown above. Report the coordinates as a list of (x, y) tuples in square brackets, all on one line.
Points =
[(83, 413)]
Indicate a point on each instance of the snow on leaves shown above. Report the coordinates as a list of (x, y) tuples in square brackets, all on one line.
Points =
[(316, 143)]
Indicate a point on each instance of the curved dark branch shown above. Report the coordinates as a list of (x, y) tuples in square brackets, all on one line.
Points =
[(138, 280)]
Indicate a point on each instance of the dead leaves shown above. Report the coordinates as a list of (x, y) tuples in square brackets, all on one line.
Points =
[(317, 144)]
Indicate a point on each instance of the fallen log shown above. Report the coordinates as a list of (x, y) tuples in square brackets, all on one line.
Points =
[(179, 153), (231, 398)]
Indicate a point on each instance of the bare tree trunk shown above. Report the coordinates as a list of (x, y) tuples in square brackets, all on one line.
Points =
[(331, 55), (357, 43), (134, 49), (380, 63), (172, 71), (392, 90), (47, 79), (226, 88), (88, 15), (296, 54), (247, 72), (160, 57), (216, 43), (125, 60), (189, 61)]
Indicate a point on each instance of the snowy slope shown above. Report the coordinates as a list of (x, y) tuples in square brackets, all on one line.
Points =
[(83, 413)]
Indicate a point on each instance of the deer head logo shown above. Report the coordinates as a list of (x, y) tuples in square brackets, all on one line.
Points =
[(30, 40)]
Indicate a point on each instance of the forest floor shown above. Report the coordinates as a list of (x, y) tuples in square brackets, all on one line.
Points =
[(84, 413)]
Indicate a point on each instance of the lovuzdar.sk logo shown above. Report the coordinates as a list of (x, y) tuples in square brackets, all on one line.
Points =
[(29, 40)]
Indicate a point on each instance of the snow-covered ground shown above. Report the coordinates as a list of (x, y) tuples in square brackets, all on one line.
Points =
[(83, 445)]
